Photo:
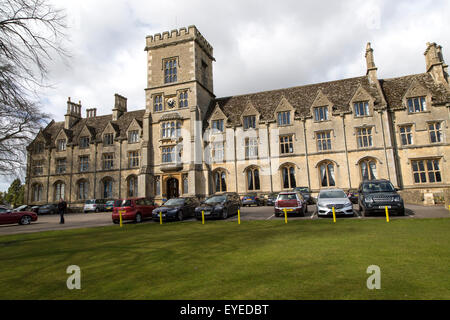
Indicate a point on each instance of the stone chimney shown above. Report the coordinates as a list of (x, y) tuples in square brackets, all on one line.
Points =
[(73, 113), (120, 106), (91, 113), (371, 68), (435, 63)]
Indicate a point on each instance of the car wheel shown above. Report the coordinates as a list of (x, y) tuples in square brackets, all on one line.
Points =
[(115, 221), (401, 212), (180, 215), (138, 218), (224, 213), (25, 220), (97, 210), (277, 214)]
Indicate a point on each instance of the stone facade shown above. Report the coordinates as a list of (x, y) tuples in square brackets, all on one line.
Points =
[(188, 142)]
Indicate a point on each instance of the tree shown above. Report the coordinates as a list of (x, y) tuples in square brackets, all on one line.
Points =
[(15, 194), (31, 35)]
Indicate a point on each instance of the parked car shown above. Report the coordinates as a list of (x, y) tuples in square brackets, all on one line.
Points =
[(20, 217), (176, 209), (290, 200), (352, 194), (251, 199), (22, 208), (306, 194), (48, 209), (219, 206), (376, 195), (271, 198), (94, 205), (134, 209), (109, 205), (35, 209), (337, 198)]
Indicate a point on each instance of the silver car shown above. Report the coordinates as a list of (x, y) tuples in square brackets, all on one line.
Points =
[(337, 198)]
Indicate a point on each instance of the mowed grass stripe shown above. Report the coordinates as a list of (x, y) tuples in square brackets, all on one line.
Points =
[(223, 260)]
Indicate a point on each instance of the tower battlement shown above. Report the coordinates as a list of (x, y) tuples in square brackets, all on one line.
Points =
[(176, 36)]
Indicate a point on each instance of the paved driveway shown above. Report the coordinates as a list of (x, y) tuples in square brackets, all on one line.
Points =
[(80, 220)]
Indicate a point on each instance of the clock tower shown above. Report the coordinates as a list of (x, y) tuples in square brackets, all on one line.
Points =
[(178, 94)]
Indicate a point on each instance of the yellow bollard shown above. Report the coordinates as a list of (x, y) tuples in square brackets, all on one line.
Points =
[(239, 216), (387, 214), (334, 215), (203, 217), (120, 217), (285, 215), (160, 217)]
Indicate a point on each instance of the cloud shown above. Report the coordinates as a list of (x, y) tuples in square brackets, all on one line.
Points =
[(258, 45)]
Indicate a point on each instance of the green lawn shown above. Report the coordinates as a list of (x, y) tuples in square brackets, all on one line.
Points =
[(223, 260)]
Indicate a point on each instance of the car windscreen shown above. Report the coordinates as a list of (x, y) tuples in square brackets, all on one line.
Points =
[(90, 202), (174, 202), (302, 189), (249, 197), (332, 194), (287, 196), (378, 187), (216, 199), (273, 195), (110, 203), (20, 208)]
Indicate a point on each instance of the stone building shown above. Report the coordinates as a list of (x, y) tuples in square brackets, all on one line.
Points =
[(189, 142)]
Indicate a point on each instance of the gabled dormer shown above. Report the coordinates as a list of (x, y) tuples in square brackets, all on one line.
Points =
[(284, 112), (109, 134), (321, 108), (362, 103), (134, 131), (417, 98), (85, 137), (218, 120), (250, 117)]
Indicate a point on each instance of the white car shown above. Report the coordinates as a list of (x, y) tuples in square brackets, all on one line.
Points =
[(337, 198)]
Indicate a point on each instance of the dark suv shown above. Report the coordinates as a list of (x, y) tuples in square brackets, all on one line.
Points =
[(219, 206), (375, 195), (306, 193)]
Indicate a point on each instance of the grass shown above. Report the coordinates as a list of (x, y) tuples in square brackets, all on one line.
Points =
[(222, 260)]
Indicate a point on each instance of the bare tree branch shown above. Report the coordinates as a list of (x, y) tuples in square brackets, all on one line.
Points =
[(31, 35)]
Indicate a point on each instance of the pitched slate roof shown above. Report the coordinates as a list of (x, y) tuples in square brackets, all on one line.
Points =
[(339, 92), (395, 88), (96, 125)]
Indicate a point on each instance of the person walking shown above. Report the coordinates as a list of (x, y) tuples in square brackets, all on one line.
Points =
[(62, 206)]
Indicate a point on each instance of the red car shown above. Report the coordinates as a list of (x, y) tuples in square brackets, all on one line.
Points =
[(20, 217), (135, 209), (293, 201)]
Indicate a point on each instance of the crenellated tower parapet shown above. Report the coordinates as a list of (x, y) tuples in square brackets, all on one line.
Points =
[(177, 36)]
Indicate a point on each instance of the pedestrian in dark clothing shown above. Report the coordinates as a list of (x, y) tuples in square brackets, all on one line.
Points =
[(62, 206)]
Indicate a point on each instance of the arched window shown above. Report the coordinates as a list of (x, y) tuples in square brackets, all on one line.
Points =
[(132, 186), (220, 181), (326, 173), (253, 179), (288, 176), (83, 189), (368, 169), (107, 188), (60, 188), (37, 192)]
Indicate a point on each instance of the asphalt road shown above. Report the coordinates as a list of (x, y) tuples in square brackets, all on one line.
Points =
[(80, 220)]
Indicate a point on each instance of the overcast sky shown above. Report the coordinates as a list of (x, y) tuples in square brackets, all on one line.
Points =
[(258, 45)]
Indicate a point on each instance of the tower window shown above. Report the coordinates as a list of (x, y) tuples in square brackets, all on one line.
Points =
[(170, 71), (157, 103), (183, 103)]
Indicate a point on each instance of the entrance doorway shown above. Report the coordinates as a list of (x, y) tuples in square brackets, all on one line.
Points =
[(172, 188)]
